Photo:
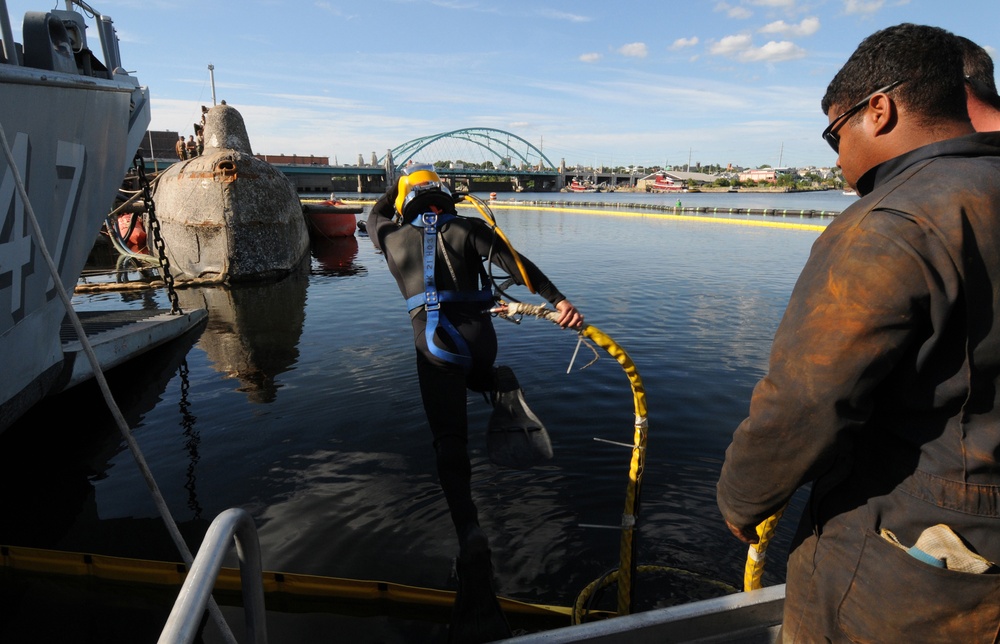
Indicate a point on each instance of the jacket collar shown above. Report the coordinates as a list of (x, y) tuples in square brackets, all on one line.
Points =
[(972, 145)]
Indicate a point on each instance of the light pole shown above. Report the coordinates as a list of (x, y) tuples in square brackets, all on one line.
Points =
[(211, 73)]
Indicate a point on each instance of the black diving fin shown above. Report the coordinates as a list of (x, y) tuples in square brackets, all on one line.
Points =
[(515, 438)]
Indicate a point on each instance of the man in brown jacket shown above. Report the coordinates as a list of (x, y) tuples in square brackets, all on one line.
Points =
[(884, 378)]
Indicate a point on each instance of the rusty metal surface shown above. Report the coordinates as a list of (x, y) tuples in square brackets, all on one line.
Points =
[(228, 214)]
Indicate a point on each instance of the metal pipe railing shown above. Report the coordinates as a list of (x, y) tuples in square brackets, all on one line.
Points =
[(185, 617)]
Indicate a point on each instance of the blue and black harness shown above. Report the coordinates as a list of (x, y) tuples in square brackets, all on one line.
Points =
[(431, 299)]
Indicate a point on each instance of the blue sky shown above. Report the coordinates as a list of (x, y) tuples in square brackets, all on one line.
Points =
[(591, 82)]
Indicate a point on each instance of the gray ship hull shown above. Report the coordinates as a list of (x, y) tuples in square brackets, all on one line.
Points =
[(72, 137)]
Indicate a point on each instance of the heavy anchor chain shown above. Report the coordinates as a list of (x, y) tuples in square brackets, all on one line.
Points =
[(154, 228)]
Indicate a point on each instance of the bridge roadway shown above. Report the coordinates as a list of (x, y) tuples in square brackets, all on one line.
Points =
[(320, 178), (371, 179)]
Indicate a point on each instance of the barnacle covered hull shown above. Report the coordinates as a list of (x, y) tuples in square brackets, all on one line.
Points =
[(226, 215)]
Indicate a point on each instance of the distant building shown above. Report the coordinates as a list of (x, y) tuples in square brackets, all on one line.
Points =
[(293, 159), (764, 175)]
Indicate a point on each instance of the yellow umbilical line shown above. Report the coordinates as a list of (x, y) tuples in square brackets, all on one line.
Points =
[(579, 608), (756, 553), (488, 216), (626, 566)]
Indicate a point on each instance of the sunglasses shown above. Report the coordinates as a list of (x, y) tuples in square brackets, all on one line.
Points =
[(831, 137)]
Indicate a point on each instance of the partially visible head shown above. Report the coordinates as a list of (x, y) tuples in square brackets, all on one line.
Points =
[(983, 101), (927, 102), (978, 67), (419, 188)]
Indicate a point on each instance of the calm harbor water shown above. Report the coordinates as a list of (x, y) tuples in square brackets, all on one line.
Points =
[(299, 403)]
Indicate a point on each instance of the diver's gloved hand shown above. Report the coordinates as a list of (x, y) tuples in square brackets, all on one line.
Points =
[(386, 204), (392, 192)]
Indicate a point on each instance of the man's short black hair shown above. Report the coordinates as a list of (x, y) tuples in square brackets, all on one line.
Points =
[(978, 68), (928, 61)]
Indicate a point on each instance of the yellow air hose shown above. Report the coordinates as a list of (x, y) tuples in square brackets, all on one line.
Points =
[(756, 554), (627, 567), (488, 216)]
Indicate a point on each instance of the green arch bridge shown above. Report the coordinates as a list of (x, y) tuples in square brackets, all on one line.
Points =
[(514, 164)]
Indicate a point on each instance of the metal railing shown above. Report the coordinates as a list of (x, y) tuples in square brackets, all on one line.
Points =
[(186, 615)]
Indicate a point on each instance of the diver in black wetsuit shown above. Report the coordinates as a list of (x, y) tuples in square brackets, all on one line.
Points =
[(435, 255)]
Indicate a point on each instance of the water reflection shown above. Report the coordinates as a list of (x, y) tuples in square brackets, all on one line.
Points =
[(56, 490), (336, 256), (253, 330)]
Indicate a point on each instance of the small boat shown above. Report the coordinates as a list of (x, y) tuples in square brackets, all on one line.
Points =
[(332, 217), (72, 123), (663, 183), (576, 185)]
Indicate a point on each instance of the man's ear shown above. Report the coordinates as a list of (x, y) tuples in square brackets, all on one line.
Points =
[(882, 114)]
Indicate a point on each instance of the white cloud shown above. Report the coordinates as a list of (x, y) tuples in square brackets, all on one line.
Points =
[(681, 43), (329, 8), (634, 50), (787, 4), (807, 27), (774, 52), (732, 45), (591, 57), (735, 12), (741, 48), (862, 6), (562, 15)]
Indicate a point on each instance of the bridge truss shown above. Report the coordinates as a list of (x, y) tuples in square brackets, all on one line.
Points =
[(471, 145)]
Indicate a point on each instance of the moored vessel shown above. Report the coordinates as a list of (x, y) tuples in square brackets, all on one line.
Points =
[(71, 123), (226, 215)]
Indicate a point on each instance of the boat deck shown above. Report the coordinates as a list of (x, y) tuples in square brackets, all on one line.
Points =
[(119, 336)]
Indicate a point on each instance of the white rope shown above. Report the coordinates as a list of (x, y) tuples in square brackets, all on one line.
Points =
[(88, 350), (540, 311)]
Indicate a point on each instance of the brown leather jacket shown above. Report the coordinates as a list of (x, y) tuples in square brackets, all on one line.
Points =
[(882, 392)]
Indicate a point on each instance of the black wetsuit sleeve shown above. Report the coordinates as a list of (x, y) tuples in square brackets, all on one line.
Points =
[(484, 238), (380, 220)]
